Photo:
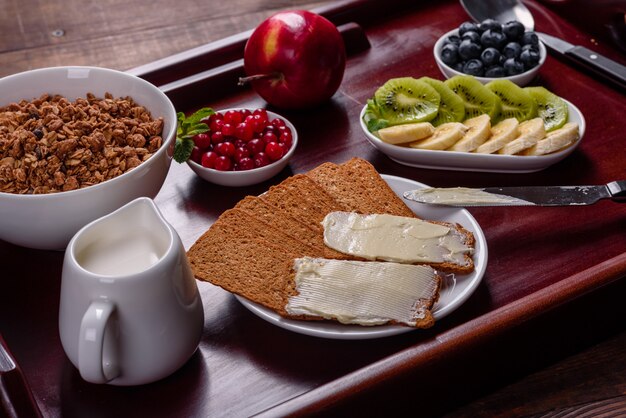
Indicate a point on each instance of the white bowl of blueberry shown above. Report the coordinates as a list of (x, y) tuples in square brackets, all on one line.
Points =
[(490, 50)]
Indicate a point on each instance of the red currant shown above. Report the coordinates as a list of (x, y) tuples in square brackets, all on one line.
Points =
[(255, 146), (241, 140), (217, 137), (269, 137), (278, 122), (196, 154), (257, 123), (216, 125), (202, 140), (273, 151), (284, 146), (261, 159), (286, 137), (233, 117), (243, 131), (228, 129), (223, 163), (262, 113), (240, 153), (208, 159), (226, 149), (246, 164), (270, 128)]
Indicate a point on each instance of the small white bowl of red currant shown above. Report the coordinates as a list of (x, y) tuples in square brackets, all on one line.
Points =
[(490, 50), (243, 147)]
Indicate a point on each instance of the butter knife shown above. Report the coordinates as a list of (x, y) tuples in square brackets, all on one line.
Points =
[(520, 196), (603, 66)]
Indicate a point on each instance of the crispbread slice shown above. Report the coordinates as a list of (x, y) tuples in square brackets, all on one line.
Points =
[(251, 267), (302, 198), (237, 223), (297, 229), (357, 185)]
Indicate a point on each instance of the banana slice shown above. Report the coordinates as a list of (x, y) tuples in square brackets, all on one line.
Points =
[(479, 130), (445, 135), (501, 134), (555, 140), (401, 134), (530, 132)]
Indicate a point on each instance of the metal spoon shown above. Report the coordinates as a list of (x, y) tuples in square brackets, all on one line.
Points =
[(501, 10), (506, 10)]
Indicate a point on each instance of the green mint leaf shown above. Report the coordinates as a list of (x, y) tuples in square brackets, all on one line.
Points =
[(200, 114), (195, 130), (180, 117), (182, 149), (186, 129)]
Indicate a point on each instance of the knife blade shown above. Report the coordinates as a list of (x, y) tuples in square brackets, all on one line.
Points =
[(607, 68), (520, 196)]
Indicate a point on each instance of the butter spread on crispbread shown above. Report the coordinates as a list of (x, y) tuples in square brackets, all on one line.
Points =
[(395, 238), (363, 292)]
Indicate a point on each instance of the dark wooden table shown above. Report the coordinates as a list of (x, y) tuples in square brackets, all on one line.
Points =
[(544, 333)]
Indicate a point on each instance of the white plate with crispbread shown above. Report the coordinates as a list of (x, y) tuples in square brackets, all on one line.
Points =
[(456, 289)]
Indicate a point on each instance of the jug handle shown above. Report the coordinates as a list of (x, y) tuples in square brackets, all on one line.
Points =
[(92, 365)]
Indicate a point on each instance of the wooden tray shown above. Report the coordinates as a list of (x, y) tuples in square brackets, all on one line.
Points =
[(553, 283)]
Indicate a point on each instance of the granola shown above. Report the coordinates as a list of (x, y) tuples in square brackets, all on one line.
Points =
[(51, 144)]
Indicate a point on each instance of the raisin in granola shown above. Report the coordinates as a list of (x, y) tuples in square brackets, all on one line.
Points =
[(51, 144)]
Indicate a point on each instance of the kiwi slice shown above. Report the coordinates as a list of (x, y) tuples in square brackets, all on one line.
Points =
[(451, 106), (515, 102), (550, 107), (477, 98), (406, 100)]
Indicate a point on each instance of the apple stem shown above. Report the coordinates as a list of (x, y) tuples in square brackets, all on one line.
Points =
[(245, 80)]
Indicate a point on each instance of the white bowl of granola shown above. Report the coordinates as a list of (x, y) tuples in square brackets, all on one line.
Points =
[(77, 143)]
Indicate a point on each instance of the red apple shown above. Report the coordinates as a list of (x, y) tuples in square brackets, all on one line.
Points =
[(295, 59)]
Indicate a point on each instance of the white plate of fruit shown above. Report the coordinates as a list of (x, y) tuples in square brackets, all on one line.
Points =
[(461, 124)]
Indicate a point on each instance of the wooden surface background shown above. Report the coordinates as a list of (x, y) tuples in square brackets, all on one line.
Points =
[(122, 34)]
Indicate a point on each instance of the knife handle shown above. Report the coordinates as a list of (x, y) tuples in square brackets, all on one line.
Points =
[(617, 190), (602, 65)]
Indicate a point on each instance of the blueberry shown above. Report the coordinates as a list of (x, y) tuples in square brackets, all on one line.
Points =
[(467, 26), (474, 67), (513, 30), (458, 66), (530, 38), (452, 39), (529, 58), (494, 39), (469, 49), (490, 24), (472, 36), (490, 56), (495, 71), (512, 50), (450, 54), (513, 66), (530, 47)]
